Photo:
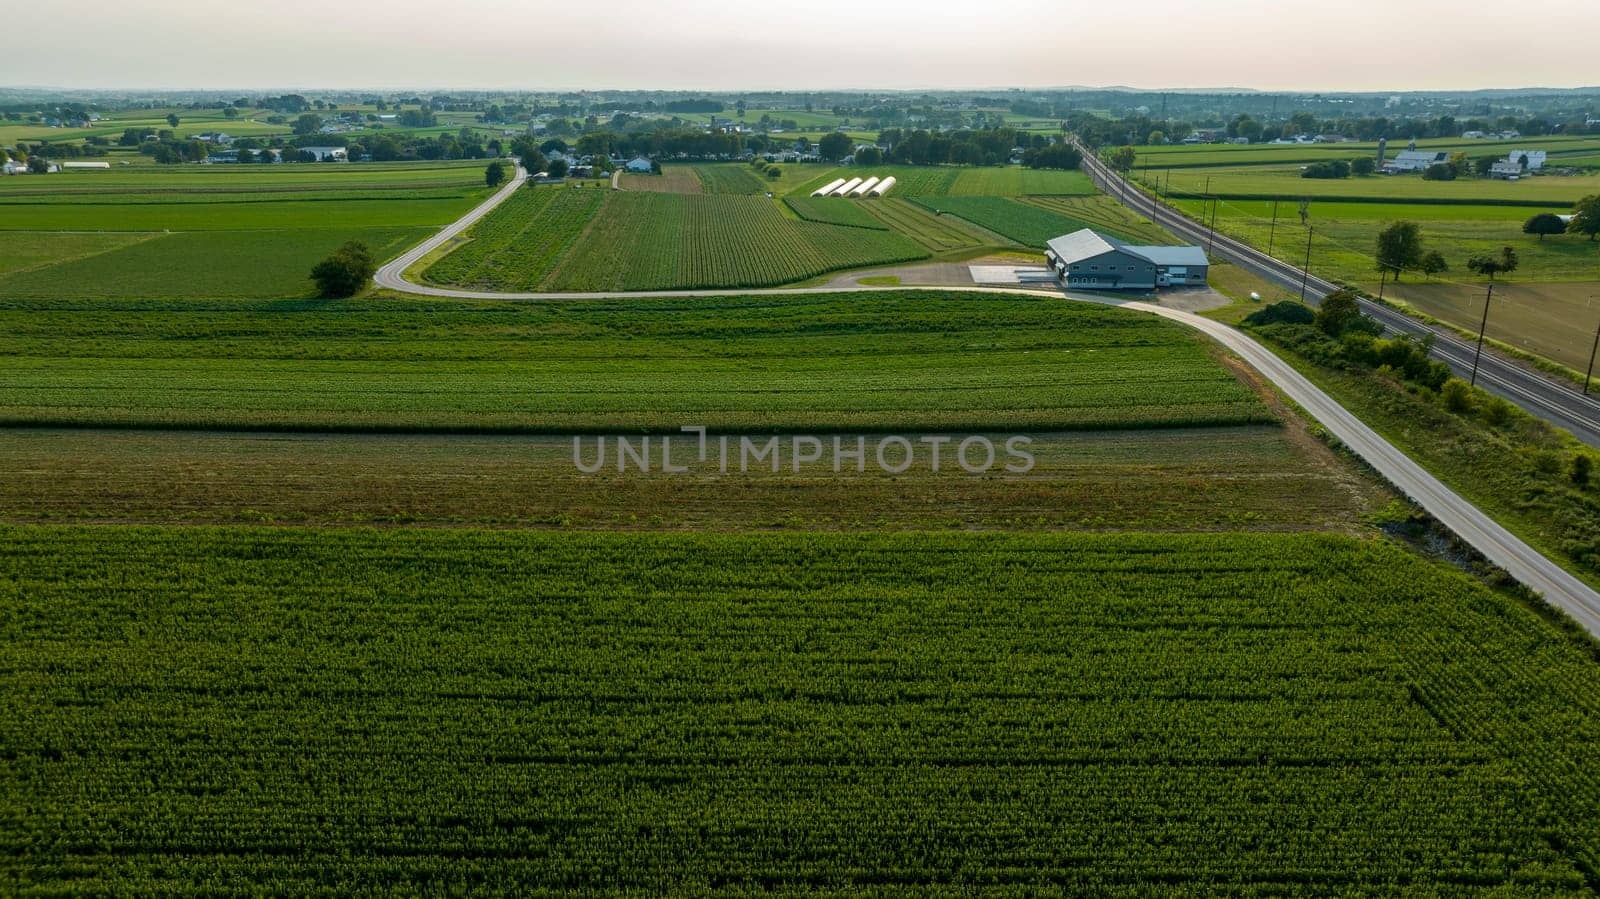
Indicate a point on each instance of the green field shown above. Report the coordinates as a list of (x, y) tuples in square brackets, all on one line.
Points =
[(214, 231), (1548, 298), (835, 211), (281, 711), (1266, 183), (196, 264), (1031, 223), (1268, 477), (657, 241), (939, 234), (1563, 150), (872, 361)]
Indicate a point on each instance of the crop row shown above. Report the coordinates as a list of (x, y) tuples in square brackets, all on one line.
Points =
[(275, 710), (664, 241), (913, 221), (834, 211), (1027, 224), (519, 248), (873, 360), (728, 179)]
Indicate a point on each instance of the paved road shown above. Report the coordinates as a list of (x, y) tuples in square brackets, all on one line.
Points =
[(392, 274), (1497, 544), (1558, 402)]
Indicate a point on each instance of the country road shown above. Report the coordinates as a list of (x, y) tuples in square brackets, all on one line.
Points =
[(1557, 402), (1495, 543)]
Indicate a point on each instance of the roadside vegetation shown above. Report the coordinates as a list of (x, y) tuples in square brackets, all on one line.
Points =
[(1535, 479)]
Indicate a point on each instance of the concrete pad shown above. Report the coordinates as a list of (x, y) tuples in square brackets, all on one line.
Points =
[(1010, 274)]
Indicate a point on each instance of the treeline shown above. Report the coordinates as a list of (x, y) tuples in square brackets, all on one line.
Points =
[(1140, 130)]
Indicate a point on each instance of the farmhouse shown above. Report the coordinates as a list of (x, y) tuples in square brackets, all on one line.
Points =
[(1414, 161), (1089, 259)]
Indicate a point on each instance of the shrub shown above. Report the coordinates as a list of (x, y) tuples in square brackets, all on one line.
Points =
[(1457, 396), (1283, 312), (1337, 168), (346, 271), (1337, 312), (1582, 468), (1496, 412)]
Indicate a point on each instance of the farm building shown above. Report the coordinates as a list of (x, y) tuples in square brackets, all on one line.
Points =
[(1089, 259), (327, 154), (1534, 158), (638, 165), (1414, 161), (1505, 169), (86, 165)]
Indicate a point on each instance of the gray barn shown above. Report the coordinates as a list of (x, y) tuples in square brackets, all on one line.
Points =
[(1089, 259)]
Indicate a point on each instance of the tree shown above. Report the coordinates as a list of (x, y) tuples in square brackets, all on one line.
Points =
[(1457, 396), (1544, 223), (1582, 467), (1122, 159), (834, 145), (38, 165), (308, 123), (1586, 217), (869, 156), (1433, 263), (556, 168), (1363, 166), (494, 173), (1305, 211), (1500, 263), (346, 271), (1439, 171), (172, 119), (1399, 247), (228, 112), (1338, 311)]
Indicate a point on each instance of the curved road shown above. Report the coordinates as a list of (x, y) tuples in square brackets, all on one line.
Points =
[(1478, 530), (1541, 396)]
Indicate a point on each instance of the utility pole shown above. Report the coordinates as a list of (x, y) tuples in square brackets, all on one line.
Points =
[(1211, 244), (1484, 326), (1383, 275), (1305, 270), (1273, 231), (1589, 375)]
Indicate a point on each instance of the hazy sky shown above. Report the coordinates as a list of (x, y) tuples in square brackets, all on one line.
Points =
[(723, 44)]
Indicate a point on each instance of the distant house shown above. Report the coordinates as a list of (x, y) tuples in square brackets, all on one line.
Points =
[(13, 167), (1087, 258), (327, 154), (214, 137), (1505, 169), (638, 164), (1414, 161), (1473, 135)]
